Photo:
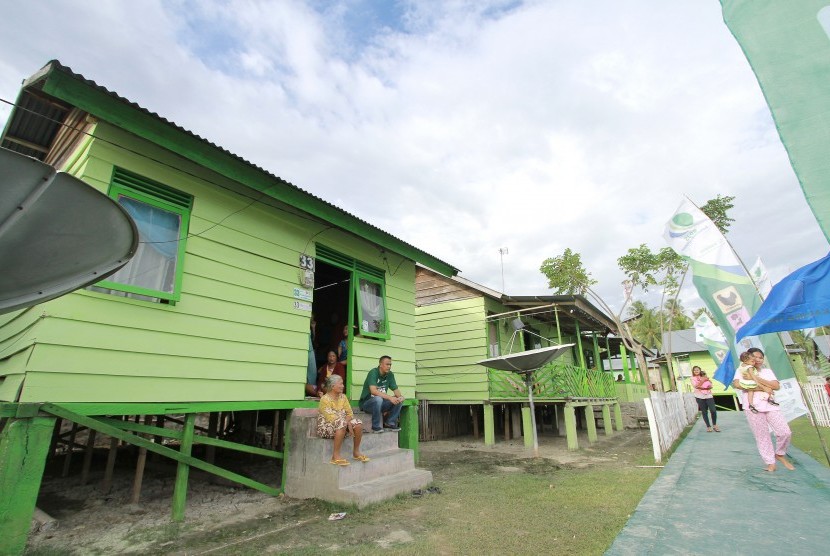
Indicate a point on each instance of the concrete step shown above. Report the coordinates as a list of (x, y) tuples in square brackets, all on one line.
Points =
[(309, 474), (378, 490)]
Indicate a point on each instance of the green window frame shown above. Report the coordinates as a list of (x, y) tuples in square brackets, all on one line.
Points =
[(370, 293), (160, 207), (368, 301)]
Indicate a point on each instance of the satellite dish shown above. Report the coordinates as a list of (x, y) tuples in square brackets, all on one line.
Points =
[(57, 233), (526, 361)]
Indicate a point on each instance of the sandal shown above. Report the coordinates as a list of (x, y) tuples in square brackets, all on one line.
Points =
[(717, 429), (709, 429), (340, 462), (362, 458)]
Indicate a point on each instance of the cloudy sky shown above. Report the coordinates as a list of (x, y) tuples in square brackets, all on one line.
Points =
[(460, 126)]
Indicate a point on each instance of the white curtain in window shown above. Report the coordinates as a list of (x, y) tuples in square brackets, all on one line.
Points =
[(371, 303), (154, 264)]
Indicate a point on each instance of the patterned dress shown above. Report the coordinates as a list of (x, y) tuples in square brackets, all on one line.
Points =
[(335, 414)]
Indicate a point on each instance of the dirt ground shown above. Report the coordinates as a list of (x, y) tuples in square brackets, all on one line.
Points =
[(227, 519)]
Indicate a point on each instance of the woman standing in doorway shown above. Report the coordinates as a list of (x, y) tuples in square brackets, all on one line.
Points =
[(705, 401)]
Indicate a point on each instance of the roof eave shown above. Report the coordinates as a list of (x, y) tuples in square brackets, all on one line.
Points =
[(60, 82)]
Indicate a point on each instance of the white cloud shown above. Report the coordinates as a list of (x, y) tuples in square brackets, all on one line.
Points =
[(462, 127)]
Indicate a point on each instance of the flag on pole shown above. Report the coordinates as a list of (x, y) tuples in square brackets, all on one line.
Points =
[(800, 300), (726, 288), (708, 334), (761, 278), (787, 45)]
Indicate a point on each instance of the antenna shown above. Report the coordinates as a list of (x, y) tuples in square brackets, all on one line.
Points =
[(502, 253)]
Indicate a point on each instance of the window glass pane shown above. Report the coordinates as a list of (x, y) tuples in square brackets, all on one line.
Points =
[(154, 264), (371, 306)]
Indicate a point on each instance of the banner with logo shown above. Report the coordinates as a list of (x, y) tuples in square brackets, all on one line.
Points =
[(726, 288), (708, 334), (787, 45)]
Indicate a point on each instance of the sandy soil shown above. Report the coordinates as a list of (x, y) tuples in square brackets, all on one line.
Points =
[(220, 516)]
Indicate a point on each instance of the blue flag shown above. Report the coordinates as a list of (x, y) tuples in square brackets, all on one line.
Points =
[(725, 373), (801, 300)]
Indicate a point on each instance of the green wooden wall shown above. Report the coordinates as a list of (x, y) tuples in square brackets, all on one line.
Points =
[(451, 337), (234, 335)]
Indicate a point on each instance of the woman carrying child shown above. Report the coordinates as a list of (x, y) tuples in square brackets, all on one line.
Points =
[(705, 401)]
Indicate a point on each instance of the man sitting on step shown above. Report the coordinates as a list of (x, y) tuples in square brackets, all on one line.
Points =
[(375, 400)]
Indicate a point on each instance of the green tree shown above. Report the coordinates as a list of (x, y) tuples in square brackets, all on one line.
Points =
[(567, 275), (646, 327), (673, 311)]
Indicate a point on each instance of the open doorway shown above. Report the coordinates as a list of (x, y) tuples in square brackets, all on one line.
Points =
[(330, 308)]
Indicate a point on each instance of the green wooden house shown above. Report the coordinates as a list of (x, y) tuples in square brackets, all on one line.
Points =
[(211, 316), (459, 323)]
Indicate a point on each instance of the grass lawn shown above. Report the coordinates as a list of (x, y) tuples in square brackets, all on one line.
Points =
[(806, 439)]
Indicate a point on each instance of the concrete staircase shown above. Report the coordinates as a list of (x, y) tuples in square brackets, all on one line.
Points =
[(390, 472)]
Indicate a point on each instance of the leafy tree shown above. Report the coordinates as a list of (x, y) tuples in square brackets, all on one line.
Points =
[(647, 327), (716, 209), (567, 275), (673, 312)]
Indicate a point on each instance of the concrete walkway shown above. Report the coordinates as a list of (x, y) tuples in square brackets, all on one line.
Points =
[(715, 497)]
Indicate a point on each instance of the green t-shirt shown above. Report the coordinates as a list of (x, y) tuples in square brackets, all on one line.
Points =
[(383, 383)]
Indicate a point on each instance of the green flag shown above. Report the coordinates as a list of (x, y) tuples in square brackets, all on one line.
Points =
[(787, 44), (726, 288)]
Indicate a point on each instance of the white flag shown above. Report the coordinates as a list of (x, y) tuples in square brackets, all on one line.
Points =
[(761, 277)]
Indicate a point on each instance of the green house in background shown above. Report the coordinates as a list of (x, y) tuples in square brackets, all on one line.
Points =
[(459, 323), (212, 315)]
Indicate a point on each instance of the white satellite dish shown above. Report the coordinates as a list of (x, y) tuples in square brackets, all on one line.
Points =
[(57, 233), (525, 362)]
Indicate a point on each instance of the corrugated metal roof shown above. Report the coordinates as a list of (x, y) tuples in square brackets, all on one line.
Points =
[(35, 128), (681, 341)]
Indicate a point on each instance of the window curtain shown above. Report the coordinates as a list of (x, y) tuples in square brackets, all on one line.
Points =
[(371, 303), (154, 264)]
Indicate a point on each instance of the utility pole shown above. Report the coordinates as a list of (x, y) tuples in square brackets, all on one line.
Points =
[(502, 253)]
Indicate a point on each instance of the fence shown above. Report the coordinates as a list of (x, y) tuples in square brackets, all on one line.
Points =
[(669, 413), (817, 397), (554, 381)]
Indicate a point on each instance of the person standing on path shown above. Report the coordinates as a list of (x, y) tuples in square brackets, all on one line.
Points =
[(705, 401), (767, 417)]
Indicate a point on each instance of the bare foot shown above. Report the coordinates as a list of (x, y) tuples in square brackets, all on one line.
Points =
[(785, 462), (771, 467)]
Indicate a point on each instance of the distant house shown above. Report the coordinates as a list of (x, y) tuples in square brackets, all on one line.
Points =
[(212, 316), (459, 323)]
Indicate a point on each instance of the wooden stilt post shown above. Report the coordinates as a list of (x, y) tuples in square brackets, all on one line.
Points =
[(591, 423), (183, 470), (474, 414), (506, 420), (489, 425), (213, 425), (618, 420), (275, 427), (90, 449), (139, 468), (527, 426), (24, 445), (106, 484), (516, 421), (606, 420), (56, 435), (67, 462), (158, 440), (570, 427), (282, 427)]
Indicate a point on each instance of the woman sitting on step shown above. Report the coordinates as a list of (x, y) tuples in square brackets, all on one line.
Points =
[(336, 420)]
